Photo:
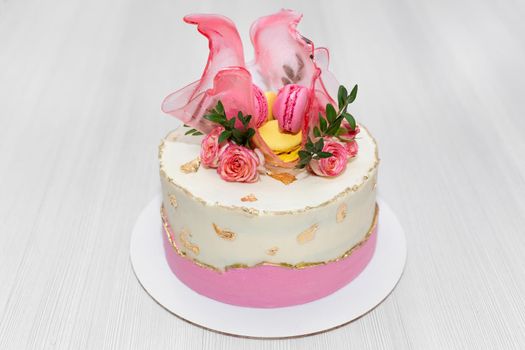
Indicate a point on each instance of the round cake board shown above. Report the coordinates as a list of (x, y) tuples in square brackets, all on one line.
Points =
[(364, 293)]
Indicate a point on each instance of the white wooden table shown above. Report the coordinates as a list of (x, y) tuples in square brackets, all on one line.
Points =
[(442, 87)]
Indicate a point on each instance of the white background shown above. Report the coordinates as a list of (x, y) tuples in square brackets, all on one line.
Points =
[(441, 87)]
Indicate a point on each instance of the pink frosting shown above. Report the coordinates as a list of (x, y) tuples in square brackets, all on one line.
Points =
[(289, 107), (268, 286)]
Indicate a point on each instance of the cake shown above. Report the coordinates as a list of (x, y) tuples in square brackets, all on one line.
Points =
[(269, 186)]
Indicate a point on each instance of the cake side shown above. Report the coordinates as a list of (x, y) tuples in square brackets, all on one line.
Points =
[(222, 224)]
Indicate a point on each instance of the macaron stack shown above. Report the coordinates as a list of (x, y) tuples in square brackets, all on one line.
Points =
[(285, 117)]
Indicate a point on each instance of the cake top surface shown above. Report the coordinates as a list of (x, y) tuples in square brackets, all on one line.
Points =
[(268, 195)]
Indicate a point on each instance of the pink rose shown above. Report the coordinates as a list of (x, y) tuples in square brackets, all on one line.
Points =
[(238, 164), (349, 138), (352, 148), (210, 148), (350, 134), (331, 166)]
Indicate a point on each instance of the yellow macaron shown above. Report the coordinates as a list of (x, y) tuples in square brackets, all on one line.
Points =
[(290, 156), (270, 98), (277, 141)]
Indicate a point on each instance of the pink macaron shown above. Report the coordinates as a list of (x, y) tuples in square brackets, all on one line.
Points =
[(261, 106), (290, 106)]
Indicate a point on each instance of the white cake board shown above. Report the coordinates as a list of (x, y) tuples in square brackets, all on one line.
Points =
[(364, 293)]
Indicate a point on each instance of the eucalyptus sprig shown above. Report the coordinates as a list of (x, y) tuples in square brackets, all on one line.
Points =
[(331, 126), (312, 151), (242, 136)]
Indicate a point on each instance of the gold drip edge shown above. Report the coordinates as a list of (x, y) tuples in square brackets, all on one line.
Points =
[(301, 265)]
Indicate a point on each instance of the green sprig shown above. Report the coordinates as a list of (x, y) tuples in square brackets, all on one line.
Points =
[(242, 136), (312, 151), (193, 132), (331, 125)]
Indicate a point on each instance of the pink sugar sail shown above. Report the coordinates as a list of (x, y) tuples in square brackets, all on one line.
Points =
[(282, 56)]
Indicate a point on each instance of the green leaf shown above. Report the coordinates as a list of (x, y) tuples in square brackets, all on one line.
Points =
[(319, 145), (237, 135), (193, 132), (317, 133), (341, 96), (331, 131), (220, 107), (340, 131), (304, 154), (224, 136), (250, 133), (322, 124), (215, 118), (337, 123), (309, 145), (350, 119), (330, 113), (353, 95), (305, 158), (241, 118), (230, 124), (248, 118), (324, 154)]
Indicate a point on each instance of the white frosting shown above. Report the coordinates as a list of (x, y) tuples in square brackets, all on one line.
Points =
[(279, 215)]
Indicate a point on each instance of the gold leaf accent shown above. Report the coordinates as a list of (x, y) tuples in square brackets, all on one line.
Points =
[(308, 234), (341, 213), (173, 200), (272, 251), (192, 166), (224, 234), (251, 211), (249, 198), (285, 178), (184, 238)]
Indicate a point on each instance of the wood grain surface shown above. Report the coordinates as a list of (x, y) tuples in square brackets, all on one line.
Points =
[(441, 86)]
